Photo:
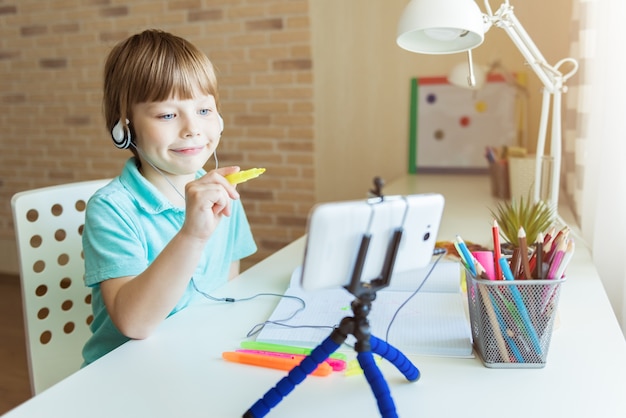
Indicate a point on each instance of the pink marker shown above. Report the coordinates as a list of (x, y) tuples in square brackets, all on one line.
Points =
[(485, 258)]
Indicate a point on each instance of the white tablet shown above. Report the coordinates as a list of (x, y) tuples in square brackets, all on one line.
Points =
[(335, 231)]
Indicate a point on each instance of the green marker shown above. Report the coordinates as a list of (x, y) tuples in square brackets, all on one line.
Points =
[(279, 348)]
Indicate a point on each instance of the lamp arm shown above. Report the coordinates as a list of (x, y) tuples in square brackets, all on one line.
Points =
[(504, 18), (541, 142), (553, 81)]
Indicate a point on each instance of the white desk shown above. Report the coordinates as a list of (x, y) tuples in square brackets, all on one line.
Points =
[(178, 372)]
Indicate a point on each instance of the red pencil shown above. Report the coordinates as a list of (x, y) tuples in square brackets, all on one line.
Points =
[(495, 232), (548, 236), (562, 235)]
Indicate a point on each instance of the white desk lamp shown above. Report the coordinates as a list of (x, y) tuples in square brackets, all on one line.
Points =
[(449, 26)]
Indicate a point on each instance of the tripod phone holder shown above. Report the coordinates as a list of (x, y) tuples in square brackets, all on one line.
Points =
[(358, 325)]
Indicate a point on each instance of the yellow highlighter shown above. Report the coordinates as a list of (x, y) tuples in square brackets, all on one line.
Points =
[(245, 175)]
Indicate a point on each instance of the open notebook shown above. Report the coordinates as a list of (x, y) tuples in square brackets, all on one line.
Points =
[(433, 322)]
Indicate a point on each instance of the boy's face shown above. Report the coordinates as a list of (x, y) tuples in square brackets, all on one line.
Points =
[(177, 136)]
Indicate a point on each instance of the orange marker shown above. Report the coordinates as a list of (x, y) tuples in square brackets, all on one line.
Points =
[(273, 362), (337, 364)]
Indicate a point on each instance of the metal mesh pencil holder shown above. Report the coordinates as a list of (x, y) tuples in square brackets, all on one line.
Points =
[(512, 321)]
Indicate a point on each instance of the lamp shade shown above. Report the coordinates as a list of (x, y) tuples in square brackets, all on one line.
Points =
[(440, 26)]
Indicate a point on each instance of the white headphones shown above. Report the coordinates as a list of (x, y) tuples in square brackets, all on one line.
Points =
[(121, 135), (123, 139)]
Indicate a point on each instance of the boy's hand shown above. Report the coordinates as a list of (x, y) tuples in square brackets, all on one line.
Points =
[(207, 200)]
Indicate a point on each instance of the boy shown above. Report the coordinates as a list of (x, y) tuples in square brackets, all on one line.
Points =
[(164, 228)]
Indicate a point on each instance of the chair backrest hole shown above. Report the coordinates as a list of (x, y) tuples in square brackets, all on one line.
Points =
[(35, 241), (65, 283), (39, 266), (45, 337), (69, 327), (63, 259), (60, 235), (80, 205), (43, 313), (41, 290), (67, 305), (89, 319), (88, 299), (32, 215), (56, 209)]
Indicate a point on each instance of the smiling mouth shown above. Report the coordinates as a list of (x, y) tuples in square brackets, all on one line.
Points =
[(189, 149)]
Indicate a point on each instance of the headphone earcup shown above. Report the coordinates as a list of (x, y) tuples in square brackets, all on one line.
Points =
[(221, 123), (121, 135)]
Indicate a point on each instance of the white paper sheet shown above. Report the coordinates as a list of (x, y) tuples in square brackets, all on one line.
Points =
[(433, 322)]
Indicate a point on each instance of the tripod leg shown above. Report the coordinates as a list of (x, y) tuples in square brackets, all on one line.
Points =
[(295, 376), (396, 357), (379, 385)]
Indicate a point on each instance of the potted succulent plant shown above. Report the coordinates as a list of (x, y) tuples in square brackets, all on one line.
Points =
[(533, 217)]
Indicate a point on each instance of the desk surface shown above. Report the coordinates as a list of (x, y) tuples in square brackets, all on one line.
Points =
[(178, 372)]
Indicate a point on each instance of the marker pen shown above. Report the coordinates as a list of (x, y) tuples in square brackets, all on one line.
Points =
[(243, 176), (273, 362), (336, 364)]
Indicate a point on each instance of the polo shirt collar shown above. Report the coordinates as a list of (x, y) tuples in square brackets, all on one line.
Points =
[(148, 196)]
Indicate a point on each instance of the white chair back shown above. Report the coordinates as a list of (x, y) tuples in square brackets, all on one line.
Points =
[(57, 304)]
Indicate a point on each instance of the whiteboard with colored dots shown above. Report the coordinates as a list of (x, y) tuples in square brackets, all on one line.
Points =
[(451, 126)]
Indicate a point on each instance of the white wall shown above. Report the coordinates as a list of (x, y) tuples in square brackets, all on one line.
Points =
[(362, 83), (603, 148)]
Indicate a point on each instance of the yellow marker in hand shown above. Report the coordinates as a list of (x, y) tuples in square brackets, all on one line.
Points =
[(245, 175)]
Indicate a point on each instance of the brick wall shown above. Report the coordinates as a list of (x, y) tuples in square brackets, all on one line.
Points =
[(51, 123)]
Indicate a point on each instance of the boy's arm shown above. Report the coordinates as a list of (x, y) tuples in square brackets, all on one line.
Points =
[(137, 305)]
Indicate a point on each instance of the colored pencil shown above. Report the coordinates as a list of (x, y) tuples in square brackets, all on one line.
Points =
[(495, 233), (556, 261), (466, 255), (521, 308), (523, 247), (566, 259), (537, 258)]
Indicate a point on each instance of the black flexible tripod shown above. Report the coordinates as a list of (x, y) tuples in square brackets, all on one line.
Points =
[(357, 325)]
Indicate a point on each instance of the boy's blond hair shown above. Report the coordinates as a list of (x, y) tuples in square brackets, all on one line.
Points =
[(153, 66)]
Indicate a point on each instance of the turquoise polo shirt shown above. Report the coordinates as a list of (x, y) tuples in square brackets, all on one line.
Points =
[(127, 224)]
